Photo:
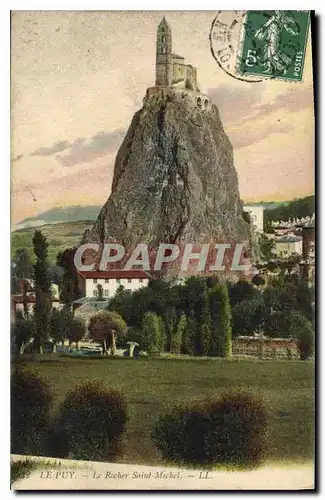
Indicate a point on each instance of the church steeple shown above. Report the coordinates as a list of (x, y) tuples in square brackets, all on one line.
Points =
[(164, 54)]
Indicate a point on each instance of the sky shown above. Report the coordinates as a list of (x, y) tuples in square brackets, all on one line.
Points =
[(78, 77)]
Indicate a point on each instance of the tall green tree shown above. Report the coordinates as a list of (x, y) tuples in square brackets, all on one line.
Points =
[(220, 321), (43, 290), (151, 333), (25, 298), (189, 335), (23, 264), (100, 292), (163, 334), (69, 286), (177, 337), (203, 340)]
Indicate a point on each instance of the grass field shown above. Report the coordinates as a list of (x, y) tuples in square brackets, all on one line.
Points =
[(59, 236), (151, 385)]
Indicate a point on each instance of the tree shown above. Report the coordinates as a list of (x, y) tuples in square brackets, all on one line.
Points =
[(302, 330), (60, 324), (43, 290), (220, 321), (267, 247), (257, 280), (242, 290), (189, 335), (203, 342), (170, 320), (25, 298), (100, 293), (70, 290), (104, 327), (77, 331), (23, 330), (248, 317), (23, 264), (151, 333), (177, 337), (163, 335)]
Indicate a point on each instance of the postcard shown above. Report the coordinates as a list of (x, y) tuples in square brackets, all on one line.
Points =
[(162, 250)]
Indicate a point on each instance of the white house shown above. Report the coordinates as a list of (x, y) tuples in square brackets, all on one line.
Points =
[(288, 245), (111, 280), (256, 213)]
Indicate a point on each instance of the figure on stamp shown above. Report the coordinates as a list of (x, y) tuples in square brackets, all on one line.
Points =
[(274, 59)]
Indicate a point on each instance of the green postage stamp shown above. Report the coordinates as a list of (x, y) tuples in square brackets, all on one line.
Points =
[(274, 44)]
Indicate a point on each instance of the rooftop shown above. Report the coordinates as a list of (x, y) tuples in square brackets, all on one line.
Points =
[(288, 239)]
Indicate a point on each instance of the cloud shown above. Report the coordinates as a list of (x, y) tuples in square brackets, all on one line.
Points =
[(250, 135), (57, 147), (244, 106), (83, 150), (236, 104)]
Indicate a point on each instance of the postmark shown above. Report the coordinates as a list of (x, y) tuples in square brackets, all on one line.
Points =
[(256, 45), (274, 44), (225, 36)]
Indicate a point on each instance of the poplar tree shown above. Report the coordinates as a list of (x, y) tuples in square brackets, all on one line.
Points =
[(43, 302), (188, 342), (177, 337), (204, 331), (220, 321)]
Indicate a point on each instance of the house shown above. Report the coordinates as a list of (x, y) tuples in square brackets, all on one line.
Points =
[(17, 303), (86, 307), (287, 245), (110, 281), (256, 213)]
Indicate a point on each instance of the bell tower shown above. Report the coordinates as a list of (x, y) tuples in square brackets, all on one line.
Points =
[(164, 64)]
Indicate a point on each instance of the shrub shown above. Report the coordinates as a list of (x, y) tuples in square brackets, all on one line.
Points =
[(31, 399), (302, 329), (229, 430), (90, 423)]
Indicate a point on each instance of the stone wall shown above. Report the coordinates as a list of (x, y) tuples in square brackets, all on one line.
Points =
[(196, 98)]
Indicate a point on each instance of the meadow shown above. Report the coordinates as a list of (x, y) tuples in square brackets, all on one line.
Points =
[(152, 385), (59, 236)]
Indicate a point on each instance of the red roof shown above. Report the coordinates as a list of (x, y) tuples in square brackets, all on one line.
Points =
[(114, 273)]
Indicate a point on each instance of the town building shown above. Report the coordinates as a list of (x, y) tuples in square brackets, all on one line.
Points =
[(17, 303), (288, 245), (256, 213), (110, 281)]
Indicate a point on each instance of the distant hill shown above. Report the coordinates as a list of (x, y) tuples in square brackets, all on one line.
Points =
[(59, 236), (55, 215), (269, 205), (301, 207)]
